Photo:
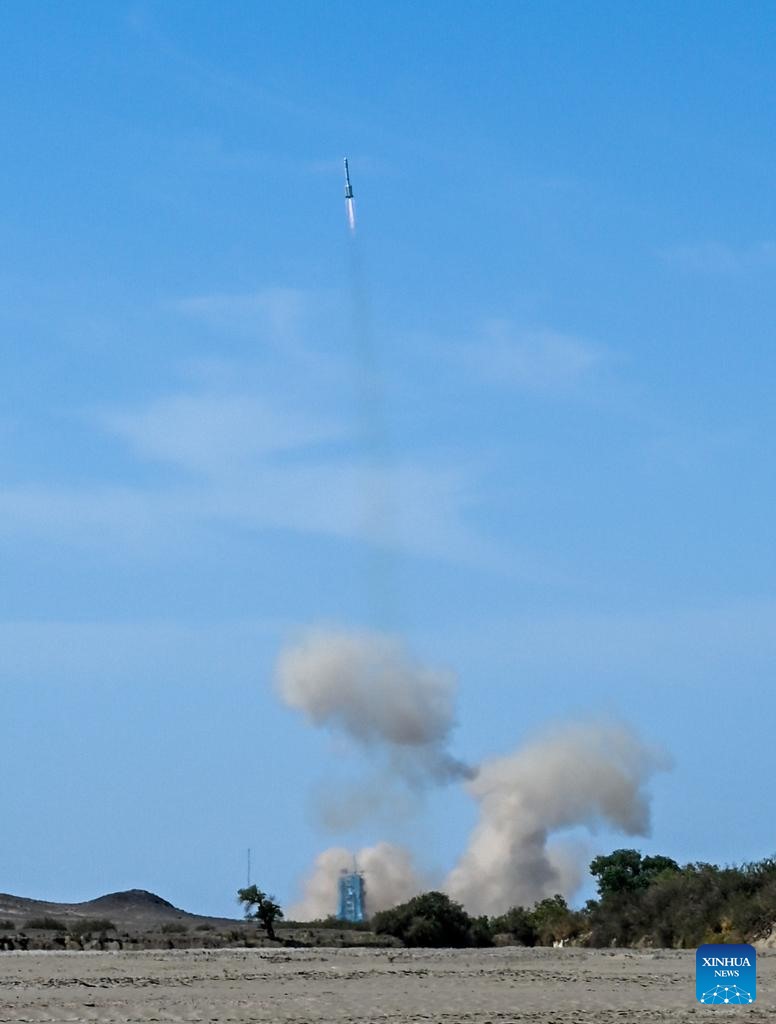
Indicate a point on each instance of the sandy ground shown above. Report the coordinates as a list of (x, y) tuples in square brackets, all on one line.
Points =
[(358, 985)]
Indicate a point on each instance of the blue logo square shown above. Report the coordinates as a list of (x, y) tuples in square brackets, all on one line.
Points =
[(725, 973)]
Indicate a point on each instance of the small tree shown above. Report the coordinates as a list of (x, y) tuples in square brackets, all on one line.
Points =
[(517, 922), (266, 912), (553, 920)]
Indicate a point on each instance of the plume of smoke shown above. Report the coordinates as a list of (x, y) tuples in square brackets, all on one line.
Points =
[(389, 875), (365, 686), (579, 775), (337, 808)]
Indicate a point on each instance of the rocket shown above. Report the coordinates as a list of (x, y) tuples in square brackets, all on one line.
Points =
[(348, 186), (350, 203)]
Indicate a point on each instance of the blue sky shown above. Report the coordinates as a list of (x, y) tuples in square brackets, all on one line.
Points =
[(567, 248)]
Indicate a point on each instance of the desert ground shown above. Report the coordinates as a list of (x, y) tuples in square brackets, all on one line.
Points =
[(361, 986)]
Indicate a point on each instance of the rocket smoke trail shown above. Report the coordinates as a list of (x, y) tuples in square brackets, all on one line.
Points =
[(369, 377), (378, 517)]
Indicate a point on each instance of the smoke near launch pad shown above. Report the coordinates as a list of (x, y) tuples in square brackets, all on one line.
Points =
[(399, 714)]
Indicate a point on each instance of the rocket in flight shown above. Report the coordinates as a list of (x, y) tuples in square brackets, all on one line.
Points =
[(348, 186), (350, 204)]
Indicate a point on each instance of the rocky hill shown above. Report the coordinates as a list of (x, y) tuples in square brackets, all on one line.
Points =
[(137, 919)]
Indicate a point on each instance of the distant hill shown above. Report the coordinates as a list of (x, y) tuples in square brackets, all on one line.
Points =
[(136, 899), (131, 909), (137, 919), (135, 910)]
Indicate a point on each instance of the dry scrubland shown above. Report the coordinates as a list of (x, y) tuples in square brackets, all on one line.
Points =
[(361, 986), (140, 920)]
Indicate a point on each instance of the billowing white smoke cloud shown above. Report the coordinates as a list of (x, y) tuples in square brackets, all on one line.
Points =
[(579, 775), (367, 687), (389, 876)]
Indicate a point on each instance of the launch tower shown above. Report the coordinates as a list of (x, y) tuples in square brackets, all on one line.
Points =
[(352, 893)]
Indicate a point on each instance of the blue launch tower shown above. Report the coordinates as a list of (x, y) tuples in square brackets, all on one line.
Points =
[(352, 893)]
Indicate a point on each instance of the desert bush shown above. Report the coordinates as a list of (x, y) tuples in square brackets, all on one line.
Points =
[(330, 922), (174, 928), (204, 927), (51, 924), (553, 920), (518, 923), (431, 919), (548, 920), (7, 926), (91, 925)]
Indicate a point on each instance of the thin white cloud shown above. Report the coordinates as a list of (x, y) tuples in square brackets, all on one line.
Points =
[(265, 446), (540, 360), (411, 507), (254, 463), (217, 434), (297, 335), (719, 258), (277, 312)]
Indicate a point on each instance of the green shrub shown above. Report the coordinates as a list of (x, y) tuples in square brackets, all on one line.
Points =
[(91, 926), (553, 920), (204, 928), (174, 928), (7, 926), (51, 924), (518, 923), (431, 919)]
